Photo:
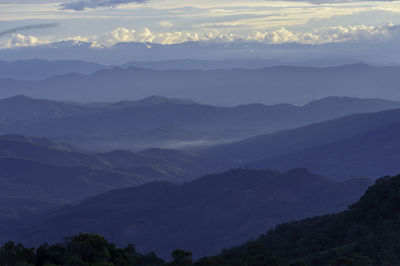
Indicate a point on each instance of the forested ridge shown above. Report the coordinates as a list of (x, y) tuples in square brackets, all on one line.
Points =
[(368, 233)]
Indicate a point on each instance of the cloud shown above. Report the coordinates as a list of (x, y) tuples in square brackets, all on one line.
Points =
[(279, 36), (166, 24), (84, 4), (328, 35), (28, 27), (146, 35), (19, 40), (337, 34), (317, 2)]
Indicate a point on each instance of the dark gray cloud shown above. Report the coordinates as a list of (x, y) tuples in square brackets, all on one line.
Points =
[(28, 27), (84, 4)]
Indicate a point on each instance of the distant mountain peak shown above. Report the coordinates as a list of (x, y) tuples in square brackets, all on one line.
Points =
[(155, 99), (335, 100), (151, 101), (19, 97), (355, 66)]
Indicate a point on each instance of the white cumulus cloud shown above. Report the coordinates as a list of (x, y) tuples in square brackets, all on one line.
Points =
[(327, 35), (19, 40), (166, 24), (278, 36), (337, 34)]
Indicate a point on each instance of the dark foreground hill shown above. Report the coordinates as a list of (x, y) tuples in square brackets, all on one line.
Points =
[(367, 233), (204, 216)]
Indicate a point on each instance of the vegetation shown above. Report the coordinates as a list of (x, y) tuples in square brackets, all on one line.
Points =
[(95, 250), (81, 250), (366, 234)]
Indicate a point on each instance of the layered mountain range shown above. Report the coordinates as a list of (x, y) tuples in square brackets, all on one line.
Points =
[(83, 170), (166, 122), (227, 87)]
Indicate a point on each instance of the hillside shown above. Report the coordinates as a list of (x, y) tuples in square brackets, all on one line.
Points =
[(29, 186), (366, 234), (20, 110), (343, 147), (171, 165), (373, 153), (36, 69), (38, 173), (204, 216)]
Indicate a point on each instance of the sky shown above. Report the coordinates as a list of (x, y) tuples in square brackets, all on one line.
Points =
[(104, 23)]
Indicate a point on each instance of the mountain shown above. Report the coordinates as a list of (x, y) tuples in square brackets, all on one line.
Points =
[(149, 102), (36, 69), (203, 64), (373, 153), (365, 234), (148, 165), (47, 151), (60, 183), (29, 186), (38, 174), (22, 109), (271, 85), (339, 147), (204, 216), (343, 147), (166, 122), (233, 63)]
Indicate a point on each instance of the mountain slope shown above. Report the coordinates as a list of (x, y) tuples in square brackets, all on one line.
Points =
[(48, 151), (37, 173), (359, 138), (366, 234), (374, 153), (203, 216), (155, 164), (35, 69), (20, 110)]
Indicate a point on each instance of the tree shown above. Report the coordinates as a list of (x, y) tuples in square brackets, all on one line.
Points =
[(12, 254), (181, 258), (91, 248)]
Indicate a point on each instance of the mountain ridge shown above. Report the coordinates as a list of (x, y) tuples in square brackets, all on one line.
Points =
[(167, 122), (291, 84)]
